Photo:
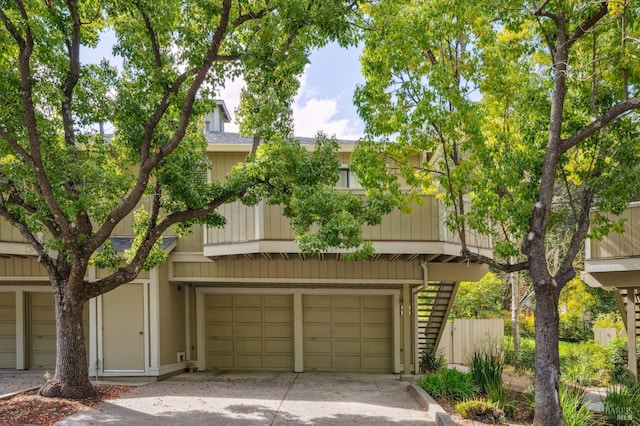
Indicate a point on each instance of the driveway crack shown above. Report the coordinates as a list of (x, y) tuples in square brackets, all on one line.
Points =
[(275, 415)]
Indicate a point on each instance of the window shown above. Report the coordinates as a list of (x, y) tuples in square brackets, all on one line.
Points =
[(347, 179)]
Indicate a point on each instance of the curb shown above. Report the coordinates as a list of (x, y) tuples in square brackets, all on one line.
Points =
[(441, 417), (18, 392)]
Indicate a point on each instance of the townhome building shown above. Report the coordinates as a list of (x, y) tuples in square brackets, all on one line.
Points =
[(244, 297), (613, 263)]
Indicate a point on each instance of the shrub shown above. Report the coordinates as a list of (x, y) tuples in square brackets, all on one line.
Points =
[(485, 370), (622, 404), (585, 363), (527, 353), (480, 410), (448, 382), (431, 361), (575, 412), (609, 320), (573, 328)]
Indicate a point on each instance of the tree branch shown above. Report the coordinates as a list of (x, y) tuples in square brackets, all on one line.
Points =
[(587, 24), (593, 127)]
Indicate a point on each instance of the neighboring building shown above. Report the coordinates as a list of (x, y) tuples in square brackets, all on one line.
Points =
[(613, 263), (244, 297)]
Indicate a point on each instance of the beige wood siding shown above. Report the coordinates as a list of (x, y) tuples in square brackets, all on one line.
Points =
[(276, 226), (7, 330), (240, 224), (123, 328), (172, 319), (192, 242), (626, 244), (223, 162), (22, 267), (347, 333), (248, 332), (9, 233), (279, 268)]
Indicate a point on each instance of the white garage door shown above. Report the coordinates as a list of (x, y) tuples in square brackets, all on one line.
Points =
[(347, 333), (7, 330), (248, 332)]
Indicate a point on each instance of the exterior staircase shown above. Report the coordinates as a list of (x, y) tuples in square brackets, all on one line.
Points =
[(621, 298), (434, 305)]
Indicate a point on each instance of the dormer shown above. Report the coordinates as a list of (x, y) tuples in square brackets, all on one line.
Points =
[(214, 120)]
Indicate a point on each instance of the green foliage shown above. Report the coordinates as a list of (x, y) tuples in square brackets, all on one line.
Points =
[(622, 404), (574, 409), (485, 370), (609, 320), (480, 410), (585, 364), (527, 353), (431, 361), (618, 359), (479, 300), (448, 383), (574, 328)]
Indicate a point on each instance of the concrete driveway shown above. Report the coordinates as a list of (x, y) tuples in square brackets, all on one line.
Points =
[(263, 399)]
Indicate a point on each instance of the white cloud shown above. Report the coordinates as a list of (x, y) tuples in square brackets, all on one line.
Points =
[(311, 112)]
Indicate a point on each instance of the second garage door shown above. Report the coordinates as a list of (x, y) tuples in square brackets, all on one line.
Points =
[(249, 332), (347, 333)]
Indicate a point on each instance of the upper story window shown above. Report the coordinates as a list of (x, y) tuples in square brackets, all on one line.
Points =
[(347, 179)]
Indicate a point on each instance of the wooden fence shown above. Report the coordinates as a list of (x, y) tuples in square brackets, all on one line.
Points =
[(462, 337), (604, 335)]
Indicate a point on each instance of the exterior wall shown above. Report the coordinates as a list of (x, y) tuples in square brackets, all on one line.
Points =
[(172, 319), (294, 269), (7, 330), (21, 268), (9, 232), (616, 245)]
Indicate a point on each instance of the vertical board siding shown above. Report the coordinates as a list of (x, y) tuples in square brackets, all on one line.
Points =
[(625, 244), (8, 330), (462, 337)]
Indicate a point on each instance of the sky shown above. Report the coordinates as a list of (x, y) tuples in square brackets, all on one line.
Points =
[(324, 101)]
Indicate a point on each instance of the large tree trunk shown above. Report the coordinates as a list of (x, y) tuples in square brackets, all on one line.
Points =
[(71, 378), (547, 366)]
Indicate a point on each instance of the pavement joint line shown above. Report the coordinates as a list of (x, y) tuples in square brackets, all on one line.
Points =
[(275, 415)]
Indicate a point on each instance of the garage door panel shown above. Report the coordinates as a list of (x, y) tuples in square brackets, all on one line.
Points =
[(277, 346), (350, 363), (347, 347), (376, 332), (249, 346), (257, 333), (277, 331), (373, 348), (8, 344), (251, 362), (278, 362), (7, 330), (218, 301), (316, 316), (243, 330), (277, 316), (222, 346), (379, 302), (279, 301), (220, 315), (8, 312), (347, 317), (375, 363), (347, 333), (318, 346), (221, 361), (349, 302), (44, 344), (317, 331), (248, 301), (219, 330), (376, 317)]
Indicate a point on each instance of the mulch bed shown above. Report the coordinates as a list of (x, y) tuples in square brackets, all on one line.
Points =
[(29, 408)]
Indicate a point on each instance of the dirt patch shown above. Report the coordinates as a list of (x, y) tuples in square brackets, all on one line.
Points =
[(29, 408)]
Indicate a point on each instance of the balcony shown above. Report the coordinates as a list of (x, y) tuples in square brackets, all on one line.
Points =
[(262, 230)]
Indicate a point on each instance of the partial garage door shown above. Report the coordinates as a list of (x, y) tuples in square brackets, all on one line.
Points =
[(347, 333), (249, 332), (7, 330), (42, 330)]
